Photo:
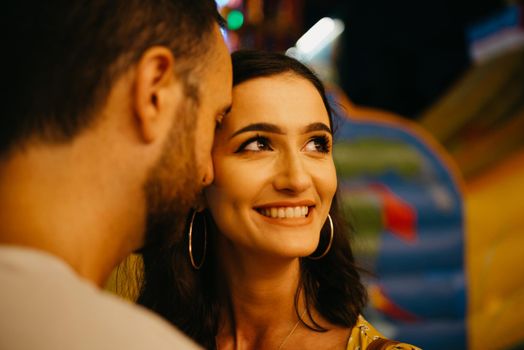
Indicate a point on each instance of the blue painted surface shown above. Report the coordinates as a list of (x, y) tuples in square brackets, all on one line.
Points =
[(423, 276)]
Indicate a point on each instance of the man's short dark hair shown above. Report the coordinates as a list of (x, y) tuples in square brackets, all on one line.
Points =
[(65, 55)]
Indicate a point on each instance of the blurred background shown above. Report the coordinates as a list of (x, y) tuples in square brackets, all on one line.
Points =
[(430, 152)]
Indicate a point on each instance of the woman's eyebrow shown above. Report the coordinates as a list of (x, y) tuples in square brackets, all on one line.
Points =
[(317, 127), (272, 128)]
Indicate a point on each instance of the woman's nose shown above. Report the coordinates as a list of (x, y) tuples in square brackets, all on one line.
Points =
[(292, 175)]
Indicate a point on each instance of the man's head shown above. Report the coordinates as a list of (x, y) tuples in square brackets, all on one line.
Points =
[(67, 54), (166, 56), (172, 185)]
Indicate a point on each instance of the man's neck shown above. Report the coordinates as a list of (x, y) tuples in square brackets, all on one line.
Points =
[(52, 202)]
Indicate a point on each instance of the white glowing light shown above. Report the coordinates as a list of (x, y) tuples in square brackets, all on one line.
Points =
[(222, 3), (316, 34), (317, 37)]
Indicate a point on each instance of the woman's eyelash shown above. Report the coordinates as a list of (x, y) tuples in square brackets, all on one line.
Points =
[(261, 140), (322, 143)]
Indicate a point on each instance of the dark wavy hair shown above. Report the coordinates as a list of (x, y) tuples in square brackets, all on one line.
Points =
[(190, 298), (66, 55)]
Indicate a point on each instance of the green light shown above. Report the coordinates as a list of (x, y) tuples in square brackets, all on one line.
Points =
[(235, 19)]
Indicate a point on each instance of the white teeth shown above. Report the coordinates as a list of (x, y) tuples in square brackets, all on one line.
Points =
[(285, 212)]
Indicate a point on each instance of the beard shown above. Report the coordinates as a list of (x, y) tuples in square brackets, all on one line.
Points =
[(172, 186)]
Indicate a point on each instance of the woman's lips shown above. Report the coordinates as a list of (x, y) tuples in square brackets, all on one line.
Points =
[(284, 212)]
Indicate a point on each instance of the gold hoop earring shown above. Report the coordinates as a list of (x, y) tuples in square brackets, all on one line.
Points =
[(332, 230), (191, 258)]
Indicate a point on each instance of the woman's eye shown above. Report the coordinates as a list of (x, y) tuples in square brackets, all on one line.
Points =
[(318, 144), (256, 144)]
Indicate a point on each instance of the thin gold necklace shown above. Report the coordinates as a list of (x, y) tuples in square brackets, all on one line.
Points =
[(292, 331), (287, 336)]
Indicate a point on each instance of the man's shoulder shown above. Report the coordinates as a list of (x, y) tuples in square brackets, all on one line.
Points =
[(47, 306), (121, 323)]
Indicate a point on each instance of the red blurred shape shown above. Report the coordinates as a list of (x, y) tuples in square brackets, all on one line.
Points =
[(398, 216), (383, 303)]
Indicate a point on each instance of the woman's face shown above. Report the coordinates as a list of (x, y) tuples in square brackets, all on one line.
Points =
[(274, 172)]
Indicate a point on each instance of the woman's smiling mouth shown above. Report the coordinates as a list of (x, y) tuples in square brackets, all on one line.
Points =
[(287, 212)]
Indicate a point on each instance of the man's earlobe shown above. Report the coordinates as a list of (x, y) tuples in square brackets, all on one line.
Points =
[(155, 92)]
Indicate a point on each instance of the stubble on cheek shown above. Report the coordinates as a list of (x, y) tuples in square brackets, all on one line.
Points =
[(172, 186)]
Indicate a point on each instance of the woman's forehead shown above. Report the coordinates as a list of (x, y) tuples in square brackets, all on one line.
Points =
[(283, 99)]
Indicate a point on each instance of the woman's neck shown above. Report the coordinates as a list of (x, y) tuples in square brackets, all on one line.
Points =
[(261, 293)]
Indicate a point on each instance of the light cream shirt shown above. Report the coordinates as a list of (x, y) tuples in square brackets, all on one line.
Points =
[(45, 305)]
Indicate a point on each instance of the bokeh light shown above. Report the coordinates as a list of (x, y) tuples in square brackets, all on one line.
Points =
[(222, 3), (235, 20)]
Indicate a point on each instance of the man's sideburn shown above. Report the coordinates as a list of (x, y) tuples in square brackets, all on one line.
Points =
[(172, 186)]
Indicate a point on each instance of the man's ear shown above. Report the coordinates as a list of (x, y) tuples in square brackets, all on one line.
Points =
[(157, 93)]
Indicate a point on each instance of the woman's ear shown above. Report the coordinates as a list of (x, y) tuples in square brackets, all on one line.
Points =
[(157, 93)]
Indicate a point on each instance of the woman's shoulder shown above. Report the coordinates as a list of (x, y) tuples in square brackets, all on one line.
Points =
[(365, 337)]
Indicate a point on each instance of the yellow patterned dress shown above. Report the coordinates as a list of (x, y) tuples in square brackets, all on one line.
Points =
[(363, 334)]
